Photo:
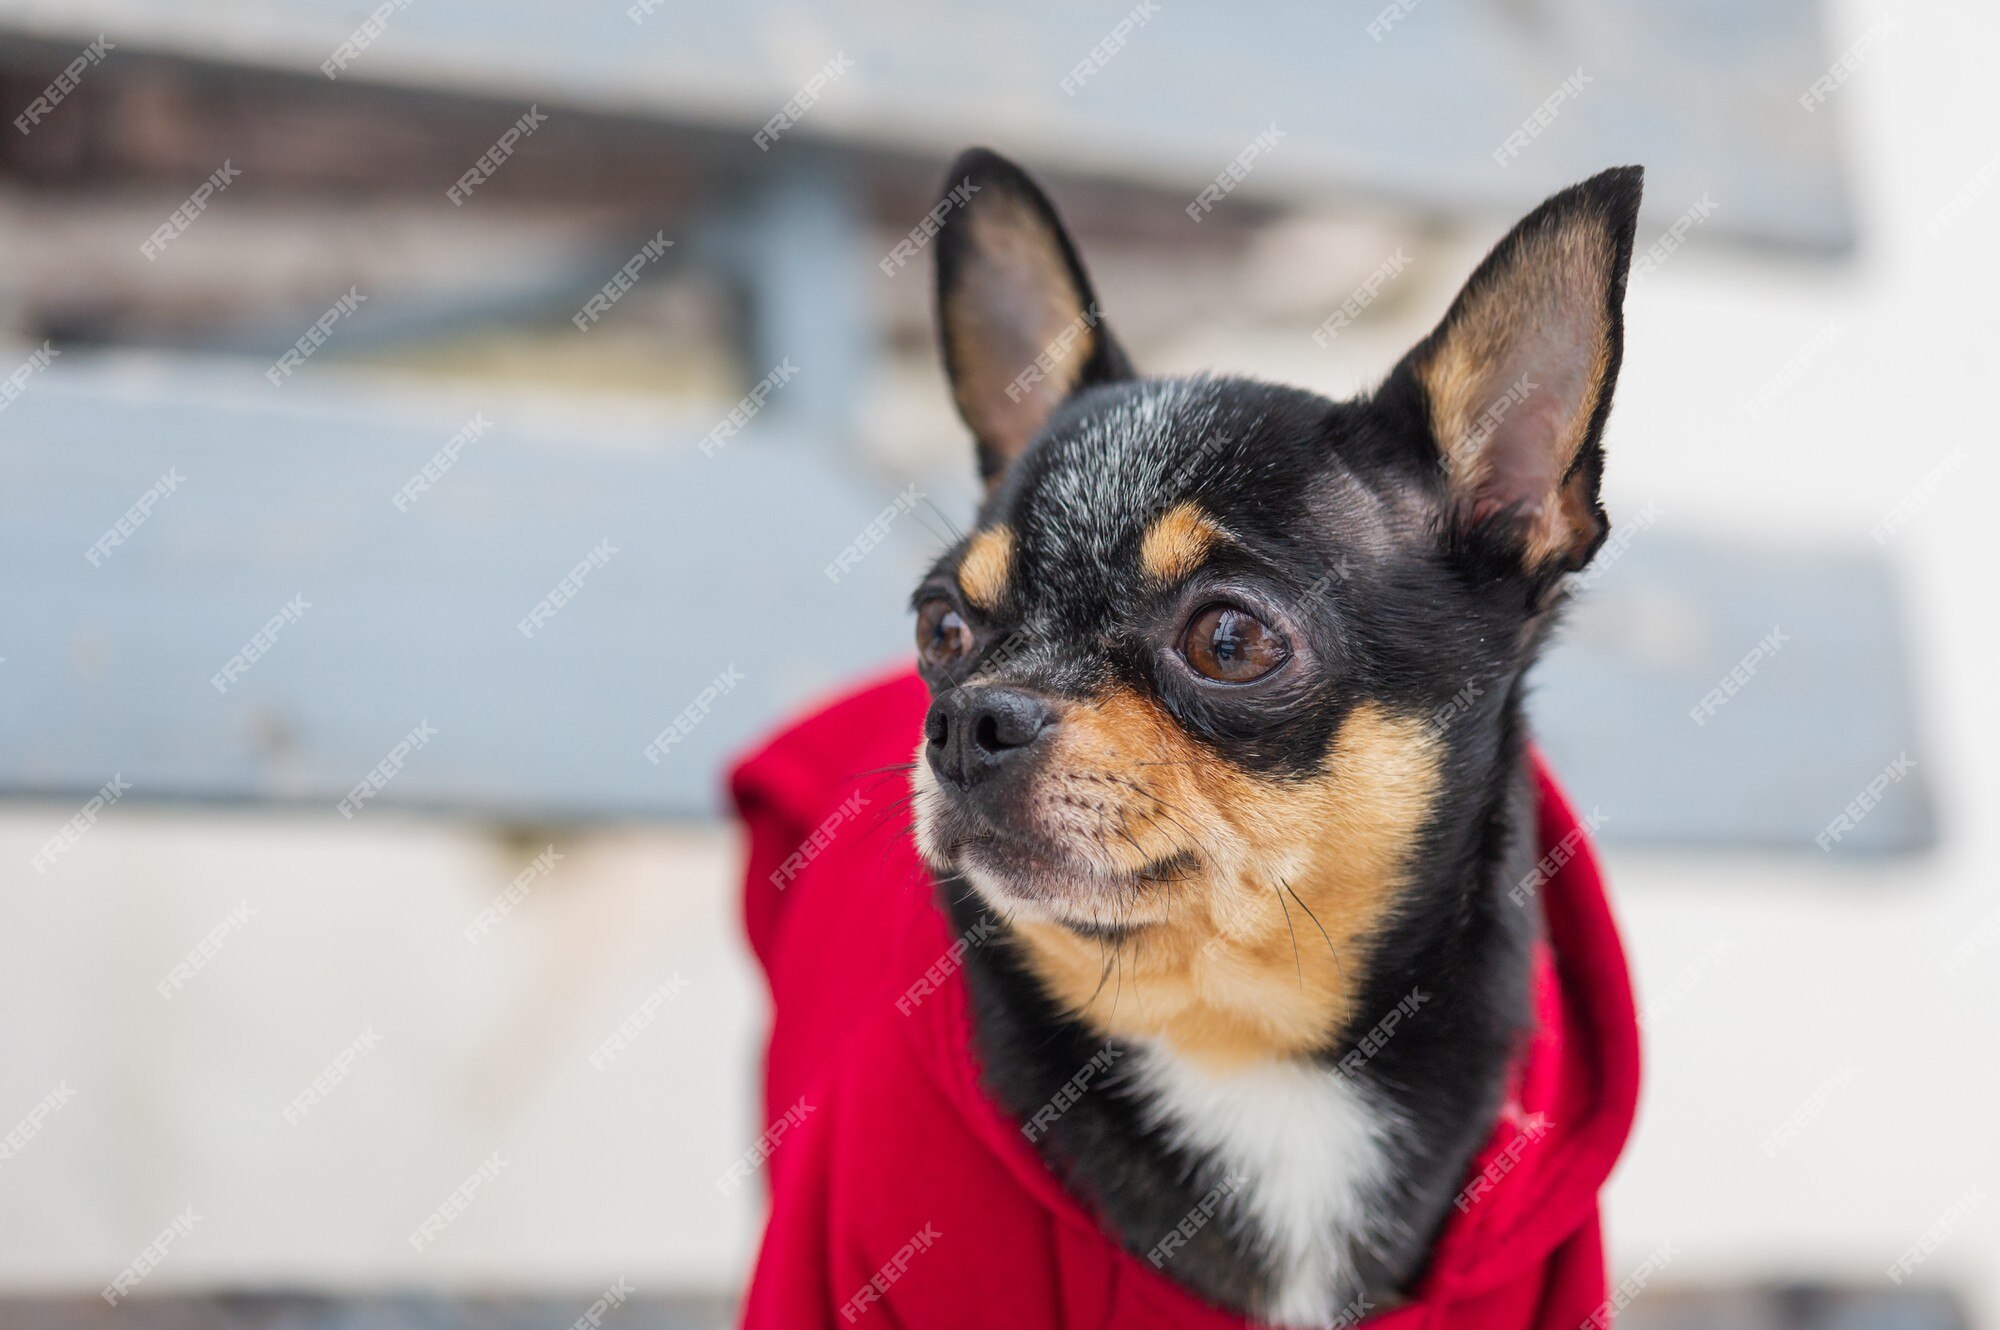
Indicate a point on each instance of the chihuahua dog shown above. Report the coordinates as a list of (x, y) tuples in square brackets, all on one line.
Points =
[(1226, 740)]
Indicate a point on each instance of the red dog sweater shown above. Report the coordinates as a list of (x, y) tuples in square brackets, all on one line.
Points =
[(901, 1196)]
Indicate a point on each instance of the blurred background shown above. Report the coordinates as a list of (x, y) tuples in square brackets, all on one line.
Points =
[(434, 435)]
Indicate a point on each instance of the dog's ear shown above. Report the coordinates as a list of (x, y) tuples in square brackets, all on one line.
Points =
[(1516, 383), (1017, 321)]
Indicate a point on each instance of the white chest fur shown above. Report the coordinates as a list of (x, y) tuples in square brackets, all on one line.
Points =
[(1308, 1153)]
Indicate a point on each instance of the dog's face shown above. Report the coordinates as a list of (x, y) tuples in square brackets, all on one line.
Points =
[(1220, 658)]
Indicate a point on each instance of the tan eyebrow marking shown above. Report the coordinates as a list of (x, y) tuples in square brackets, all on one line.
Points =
[(982, 572), (1178, 541)]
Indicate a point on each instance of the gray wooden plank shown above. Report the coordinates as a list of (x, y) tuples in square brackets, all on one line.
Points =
[(1704, 92), (1637, 708), (717, 561), (720, 561)]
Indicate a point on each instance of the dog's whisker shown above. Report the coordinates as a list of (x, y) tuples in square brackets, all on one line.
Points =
[(1297, 965), (957, 534), (1331, 949)]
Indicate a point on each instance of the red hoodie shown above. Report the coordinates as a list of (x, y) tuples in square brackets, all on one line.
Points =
[(901, 1195)]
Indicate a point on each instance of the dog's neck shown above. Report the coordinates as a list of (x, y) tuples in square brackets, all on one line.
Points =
[(1313, 1183)]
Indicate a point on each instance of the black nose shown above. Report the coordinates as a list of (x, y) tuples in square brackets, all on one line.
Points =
[(972, 732)]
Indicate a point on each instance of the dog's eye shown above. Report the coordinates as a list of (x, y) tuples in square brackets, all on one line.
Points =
[(943, 636), (1230, 646)]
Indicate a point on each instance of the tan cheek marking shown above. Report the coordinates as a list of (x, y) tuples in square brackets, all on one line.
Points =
[(982, 573), (1218, 976), (1177, 542)]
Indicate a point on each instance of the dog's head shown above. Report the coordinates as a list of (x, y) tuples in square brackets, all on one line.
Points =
[(1221, 659)]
